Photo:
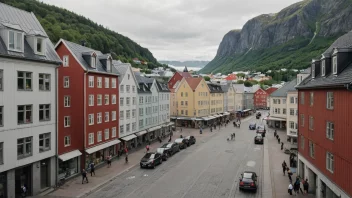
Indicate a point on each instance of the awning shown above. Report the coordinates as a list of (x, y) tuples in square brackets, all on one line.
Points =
[(129, 137), (154, 128), (246, 110), (102, 146), (182, 118), (226, 113), (141, 133), (216, 116), (206, 118), (170, 124), (197, 118), (275, 118), (70, 155)]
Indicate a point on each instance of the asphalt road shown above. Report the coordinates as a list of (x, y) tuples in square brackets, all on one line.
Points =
[(210, 168)]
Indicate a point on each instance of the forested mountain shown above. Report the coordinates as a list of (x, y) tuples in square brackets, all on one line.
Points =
[(200, 64), (61, 23), (288, 39)]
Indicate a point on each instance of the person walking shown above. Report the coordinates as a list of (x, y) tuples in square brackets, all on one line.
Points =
[(278, 140), (84, 175), (92, 169), (289, 173), (147, 147), (201, 130), (306, 186), (23, 191), (169, 139), (290, 187), (284, 166), (282, 145), (109, 160)]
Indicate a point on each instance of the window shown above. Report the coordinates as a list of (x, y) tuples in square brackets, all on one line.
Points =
[(186, 112), (1, 79), (311, 123), (302, 98), (133, 113), (128, 114), (106, 117), (181, 94), (128, 88), (66, 82), (91, 100), (274, 101), (91, 81), (181, 103), (1, 116), (292, 111), (106, 99), (323, 68), (311, 98), (283, 101), (106, 134), (313, 70), (44, 112), (106, 82), (140, 123), (113, 82), (127, 128), (121, 101), (128, 76), (91, 138), (334, 65), (44, 142), (67, 121), (66, 61), (121, 129), (99, 82), (330, 130), (94, 61), (113, 132), (186, 94), (24, 147), (99, 136), (40, 46), (283, 111), (15, 41), (302, 142), (24, 114), (133, 89), (311, 149), (113, 99), (91, 119), (121, 115), (140, 99), (330, 162), (134, 101), (44, 82), (113, 115), (292, 125), (99, 99), (24, 81), (99, 118), (133, 126), (330, 100), (121, 88), (67, 140), (141, 111), (128, 101), (302, 120), (292, 100)]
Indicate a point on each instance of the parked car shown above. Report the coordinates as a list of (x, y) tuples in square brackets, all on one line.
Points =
[(181, 142), (261, 129), (150, 160), (259, 114), (171, 148), (191, 140), (252, 126), (258, 139), (163, 152), (248, 181)]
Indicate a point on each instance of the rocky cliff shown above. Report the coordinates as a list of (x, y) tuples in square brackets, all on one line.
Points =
[(306, 24)]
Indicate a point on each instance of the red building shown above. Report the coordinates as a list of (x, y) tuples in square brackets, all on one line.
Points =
[(87, 107), (324, 109), (231, 77), (261, 97), (178, 76)]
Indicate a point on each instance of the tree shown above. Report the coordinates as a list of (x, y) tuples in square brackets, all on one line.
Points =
[(240, 82), (206, 78), (241, 75), (248, 84), (253, 82)]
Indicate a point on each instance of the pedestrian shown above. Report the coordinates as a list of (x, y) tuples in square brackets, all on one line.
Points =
[(23, 191), (296, 187), (278, 140), (126, 150), (147, 147), (234, 135), (306, 186), (284, 167), (200, 130), (92, 169), (289, 173), (169, 139), (290, 187), (282, 145), (84, 175), (109, 160), (211, 129)]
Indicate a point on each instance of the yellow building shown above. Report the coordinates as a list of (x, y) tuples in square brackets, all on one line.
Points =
[(216, 101)]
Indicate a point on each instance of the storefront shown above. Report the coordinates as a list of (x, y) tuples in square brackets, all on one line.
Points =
[(154, 132), (129, 141), (276, 122), (198, 123), (98, 154), (141, 137), (23, 177), (45, 173), (69, 164), (3, 185), (209, 121), (226, 116)]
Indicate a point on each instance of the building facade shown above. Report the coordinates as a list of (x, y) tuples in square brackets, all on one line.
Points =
[(231, 99), (324, 156), (28, 64), (292, 115), (88, 105), (269, 91), (164, 108), (239, 99), (216, 101), (260, 99)]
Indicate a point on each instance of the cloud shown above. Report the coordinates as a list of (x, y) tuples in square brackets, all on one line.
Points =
[(174, 29)]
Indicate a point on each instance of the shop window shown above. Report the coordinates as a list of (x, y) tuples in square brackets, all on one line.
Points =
[(24, 114), (24, 81), (44, 142), (1, 152), (44, 82), (24, 147), (68, 168)]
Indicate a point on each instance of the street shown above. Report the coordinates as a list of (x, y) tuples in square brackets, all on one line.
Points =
[(210, 168)]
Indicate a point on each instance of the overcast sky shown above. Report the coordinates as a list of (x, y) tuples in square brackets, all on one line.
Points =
[(174, 29)]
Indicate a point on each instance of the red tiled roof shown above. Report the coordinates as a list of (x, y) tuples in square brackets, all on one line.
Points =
[(231, 77), (193, 82), (270, 90)]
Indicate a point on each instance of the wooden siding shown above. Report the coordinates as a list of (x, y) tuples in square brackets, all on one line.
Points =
[(260, 99), (341, 146)]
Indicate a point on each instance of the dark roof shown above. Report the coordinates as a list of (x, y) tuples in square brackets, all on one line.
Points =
[(120, 69), (17, 19), (282, 92), (162, 87), (215, 88), (185, 69), (344, 41), (143, 86), (225, 88)]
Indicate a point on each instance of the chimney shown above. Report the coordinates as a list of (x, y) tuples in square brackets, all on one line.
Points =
[(83, 43)]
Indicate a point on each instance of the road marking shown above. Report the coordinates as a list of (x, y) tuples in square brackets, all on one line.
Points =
[(131, 177), (145, 175)]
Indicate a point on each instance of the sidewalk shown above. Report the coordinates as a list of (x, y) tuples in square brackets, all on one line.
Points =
[(276, 157), (75, 188)]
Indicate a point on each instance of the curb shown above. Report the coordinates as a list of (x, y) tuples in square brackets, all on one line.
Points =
[(267, 186)]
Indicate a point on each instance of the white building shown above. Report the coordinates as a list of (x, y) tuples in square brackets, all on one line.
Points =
[(28, 120), (239, 96)]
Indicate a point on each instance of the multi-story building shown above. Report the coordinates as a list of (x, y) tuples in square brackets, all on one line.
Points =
[(292, 115), (164, 108), (248, 101), (261, 98), (324, 148), (216, 101), (28, 123), (229, 99), (88, 105), (239, 90), (128, 87), (177, 77)]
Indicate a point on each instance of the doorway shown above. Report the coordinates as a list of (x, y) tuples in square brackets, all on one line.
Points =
[(23, 177), (44, 173)]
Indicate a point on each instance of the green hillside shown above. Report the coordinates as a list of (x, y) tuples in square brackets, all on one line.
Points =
[(61, 23)]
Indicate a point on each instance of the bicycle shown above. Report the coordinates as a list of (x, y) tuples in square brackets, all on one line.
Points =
[(60, 183)]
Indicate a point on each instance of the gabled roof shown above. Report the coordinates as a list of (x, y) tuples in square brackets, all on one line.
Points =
[(231, 77), (143, 86), (121, 69), (162, 87), (17, 19), (270, 90), (214, 88), (344, 41), (193, 82), (282, 92), (185, 74)]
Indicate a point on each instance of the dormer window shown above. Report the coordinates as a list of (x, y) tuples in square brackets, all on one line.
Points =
[(334, 65), (40, 46), (108, 64), (323, 68), (313, 70), (15, 41), (94, 61)]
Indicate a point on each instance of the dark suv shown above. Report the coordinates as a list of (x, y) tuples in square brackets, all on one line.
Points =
[(191, 140), (258, 139), (163, 152), (171, 148), (261, 129)]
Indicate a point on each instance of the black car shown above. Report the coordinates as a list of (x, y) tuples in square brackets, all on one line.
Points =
[(252, 126), (182, 143), (163, 152), (171, 148), (248, 181), (191, 140), (150, 160), (259, 114), (258, 139), (261, 129)]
